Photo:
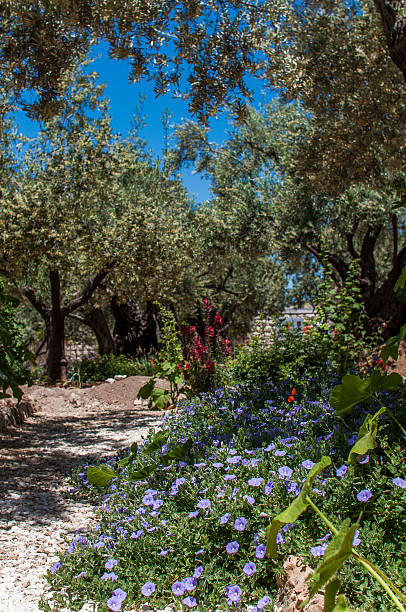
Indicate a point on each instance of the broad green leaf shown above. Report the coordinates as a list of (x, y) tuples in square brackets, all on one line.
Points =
[(337, 553), (298, 505), (179, 380), (167, 368), (142, 473), (366, 438), (157, 442), (161, 399), (353, 389), (400, 283), (391, 348), (330, 595), (134, 448), (179, 452), (100, 476), (146, 390), (341, 605)]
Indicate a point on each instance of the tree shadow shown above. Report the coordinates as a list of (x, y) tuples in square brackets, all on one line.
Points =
[(36, 458)]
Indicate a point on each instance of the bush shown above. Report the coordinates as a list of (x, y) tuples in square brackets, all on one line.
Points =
[(195, 529), (13, 353), (107, 366)]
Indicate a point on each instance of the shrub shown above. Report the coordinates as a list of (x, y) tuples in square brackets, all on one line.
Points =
[(13, 353), (107, 366), (195, 529)]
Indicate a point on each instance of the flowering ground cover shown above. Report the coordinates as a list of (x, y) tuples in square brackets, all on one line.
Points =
[(192, 531)]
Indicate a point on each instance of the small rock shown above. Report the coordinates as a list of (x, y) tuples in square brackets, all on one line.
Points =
[(109, 380), (120, 376)]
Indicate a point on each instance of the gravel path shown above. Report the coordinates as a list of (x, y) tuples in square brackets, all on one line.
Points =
[(71, 427)]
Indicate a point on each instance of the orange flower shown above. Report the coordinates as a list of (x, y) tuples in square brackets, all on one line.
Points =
[(293, 391), (291, 398)]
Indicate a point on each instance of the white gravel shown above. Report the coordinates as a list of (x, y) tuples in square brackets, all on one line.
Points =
[(70, 428)]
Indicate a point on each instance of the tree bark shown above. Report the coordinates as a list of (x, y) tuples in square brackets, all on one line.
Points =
[(394, 25), (56, 358), (96, 320)]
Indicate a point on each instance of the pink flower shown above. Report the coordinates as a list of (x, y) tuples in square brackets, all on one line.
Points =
[(209, 366)]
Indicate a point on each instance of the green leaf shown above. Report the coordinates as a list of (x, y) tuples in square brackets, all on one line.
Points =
[(330, 595), (366, 438), (146, 391), (341, 605), (353, 390), (100, 476), (160, 399), (401, 282), (337, 553), (157, 442), (143, 472), (391, 348), (298, 505), (179, 452)]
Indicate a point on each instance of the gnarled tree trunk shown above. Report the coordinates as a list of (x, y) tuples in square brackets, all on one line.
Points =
[(136, 331)]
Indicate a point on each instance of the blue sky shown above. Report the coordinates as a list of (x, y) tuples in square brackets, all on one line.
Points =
[(124, 97)]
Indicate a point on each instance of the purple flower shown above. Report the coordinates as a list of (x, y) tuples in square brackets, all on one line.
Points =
[(56, 567), (234, 460), (318, 551), (362, 459), (137, 534), (260, 551), (364, 495), (178, 589), (148, 499), (263, 602), (255, 482), (232, 547), (280, 539), (268, 488), (179, 481), (356, 541), (199, 552), (109, 576), (269, 448), (157, 504), (80, 575), (399, 482), (148, 589), (342, 471), (114, 603), (110, 563), (250, 500), (285, 472), (203, 504), (240, 524), (163, 553), (233, 593), (230, 477), (225, 518), (218, 464), (280, 453), (194, 514), (308, 464), (190, 602), (198, 572), (190, 583), (249, 568), (292, 487), (352, 439), (120, 594), (254, 462)]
